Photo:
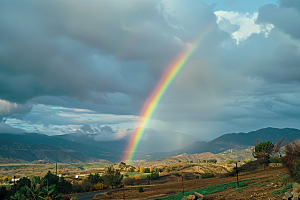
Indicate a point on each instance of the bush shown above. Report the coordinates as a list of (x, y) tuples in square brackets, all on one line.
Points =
[(207, 175), (177, 174), (275, 160), (230, 161), (212, 161), (141, 189), (292, 158), (197, 177), (296, 171), (137, 176)]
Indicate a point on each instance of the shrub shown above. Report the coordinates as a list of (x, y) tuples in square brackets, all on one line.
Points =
[(212, 161), (247, 160), (137, 176), (177, 174), (275, 160), (296, 171), (147, 170), (230, 161), (141, 189), (197, 177), (207, 175), (292, 151)]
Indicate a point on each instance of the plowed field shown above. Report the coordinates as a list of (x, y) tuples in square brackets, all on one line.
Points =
[(266, 181)]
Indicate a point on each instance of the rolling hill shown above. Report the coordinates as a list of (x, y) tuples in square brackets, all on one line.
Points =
[(230, 141)]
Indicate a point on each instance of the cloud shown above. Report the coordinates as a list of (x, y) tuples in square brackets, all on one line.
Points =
[(86, 66), (103, 133), (7, 109), (246, 23), (285, 17)]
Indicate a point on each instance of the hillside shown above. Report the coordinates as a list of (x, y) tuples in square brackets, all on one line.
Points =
[(31, 147), (231, 141), (152, 141), (231, 154)]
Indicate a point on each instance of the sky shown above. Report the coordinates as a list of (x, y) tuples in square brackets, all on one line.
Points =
[(88, 67)]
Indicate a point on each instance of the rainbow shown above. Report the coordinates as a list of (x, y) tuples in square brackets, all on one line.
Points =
[(156, 95)]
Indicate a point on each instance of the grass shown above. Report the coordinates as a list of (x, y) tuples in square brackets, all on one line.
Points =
[(208, 190), (283, 190)]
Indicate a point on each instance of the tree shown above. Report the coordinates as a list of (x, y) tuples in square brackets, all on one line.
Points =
[(291, 160), (142, 169), (147, 170), (94, 179), (212, 161), (131, 170), (263, 150), (112, 177), (35, 189)]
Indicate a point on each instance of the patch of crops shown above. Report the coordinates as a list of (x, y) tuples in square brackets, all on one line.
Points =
[(207, 190), (283, 190)]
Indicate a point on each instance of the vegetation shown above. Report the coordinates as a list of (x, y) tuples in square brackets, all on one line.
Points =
[(264, 150), (50, 187), (207, 175), (207, 190), (141, 189), (212, 161), (94, 179), (292, 159), (112, 177), (247, 160)]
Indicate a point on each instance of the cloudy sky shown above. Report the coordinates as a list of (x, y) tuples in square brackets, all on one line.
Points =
[(88, 66)]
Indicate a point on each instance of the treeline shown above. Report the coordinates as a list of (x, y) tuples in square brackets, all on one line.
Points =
[(53, 187)]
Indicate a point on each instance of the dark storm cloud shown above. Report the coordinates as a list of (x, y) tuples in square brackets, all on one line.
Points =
[(98, 51), (105, 57), (285, 17)]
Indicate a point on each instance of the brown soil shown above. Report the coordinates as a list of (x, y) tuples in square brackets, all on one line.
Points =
[(171, 188)]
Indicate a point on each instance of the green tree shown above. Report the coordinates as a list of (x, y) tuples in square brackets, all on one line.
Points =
[(112, 177), (131, 170), (263, 150), (94, 179), (212, 161)]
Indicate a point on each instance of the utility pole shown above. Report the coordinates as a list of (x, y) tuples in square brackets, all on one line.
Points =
[(182, 184), (237, 174), (124, 192), (56, 168)]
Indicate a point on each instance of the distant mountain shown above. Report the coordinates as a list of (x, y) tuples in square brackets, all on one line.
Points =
[(230, 141), (72, 148), (231, 154), (33, 146), (152, 141)]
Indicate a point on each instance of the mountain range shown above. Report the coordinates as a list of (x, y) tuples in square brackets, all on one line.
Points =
[(74, 148), (232, 141)]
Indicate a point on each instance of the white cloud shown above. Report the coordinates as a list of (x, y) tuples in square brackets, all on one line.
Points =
[(7, 108), (246, 23)]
